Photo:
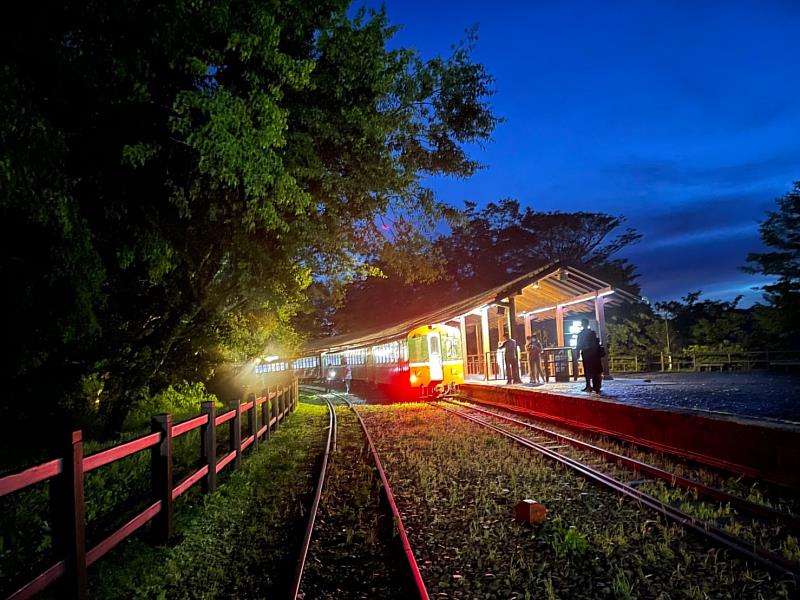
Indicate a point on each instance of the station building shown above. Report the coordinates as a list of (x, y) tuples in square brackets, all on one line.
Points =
[(459, 342)]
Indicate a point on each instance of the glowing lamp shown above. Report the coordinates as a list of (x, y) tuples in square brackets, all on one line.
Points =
[(413, 378), (331, 373)]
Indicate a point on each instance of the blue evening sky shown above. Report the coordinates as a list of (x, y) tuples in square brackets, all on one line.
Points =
[(681, 116)]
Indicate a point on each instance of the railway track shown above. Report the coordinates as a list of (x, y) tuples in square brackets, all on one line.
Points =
[(612, 470), (312, 513), (416, 586)]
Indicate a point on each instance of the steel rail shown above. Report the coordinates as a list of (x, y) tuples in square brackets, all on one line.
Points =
[(762, 556), (706, 461), (791, 522), (301, 564), (411, 560)]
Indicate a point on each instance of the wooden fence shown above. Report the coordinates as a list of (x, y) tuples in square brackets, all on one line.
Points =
[(706, 361), (67, 489)]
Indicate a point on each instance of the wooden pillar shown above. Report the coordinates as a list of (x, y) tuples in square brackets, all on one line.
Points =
[(485, 342), (511, 319), (602, 331), (161, 476), (527, 321), (69, 519), (559, 325), (208, 447), (462, 324)]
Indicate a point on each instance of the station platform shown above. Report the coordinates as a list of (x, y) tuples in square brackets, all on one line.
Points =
[(760, 448)]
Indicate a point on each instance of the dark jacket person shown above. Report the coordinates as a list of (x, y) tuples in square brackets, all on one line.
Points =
[(587, 345), (512, 366)]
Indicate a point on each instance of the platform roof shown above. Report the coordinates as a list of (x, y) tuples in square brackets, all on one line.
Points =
[(537, 293)]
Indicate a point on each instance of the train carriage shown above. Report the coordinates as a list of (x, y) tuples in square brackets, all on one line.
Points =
[(409, 366)]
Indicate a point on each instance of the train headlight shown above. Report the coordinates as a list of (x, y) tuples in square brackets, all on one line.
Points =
[(413, 379), (331, 374)]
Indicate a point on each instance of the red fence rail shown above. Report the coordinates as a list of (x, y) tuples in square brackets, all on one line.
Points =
[(67, 489)]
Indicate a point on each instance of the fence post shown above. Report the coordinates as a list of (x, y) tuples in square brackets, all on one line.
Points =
[(636, 362), (253, 420), (274, 407), (662, 361), (161, 478), (208, 447), (266, 413), (235, 437), (69, 518)]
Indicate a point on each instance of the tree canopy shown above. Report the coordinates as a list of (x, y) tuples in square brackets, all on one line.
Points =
[(175, 176), (780, 232), (485, 247)]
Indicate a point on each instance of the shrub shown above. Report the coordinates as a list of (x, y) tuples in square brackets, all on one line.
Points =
[(180, 400)]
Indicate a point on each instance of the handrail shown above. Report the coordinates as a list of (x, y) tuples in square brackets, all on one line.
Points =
[(67, 474), (115, 453), (30, 476)]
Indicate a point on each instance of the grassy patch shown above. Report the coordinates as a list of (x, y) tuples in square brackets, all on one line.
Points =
[(238, 542), (457, 485)]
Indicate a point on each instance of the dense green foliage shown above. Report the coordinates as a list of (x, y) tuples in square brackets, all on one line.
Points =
[(780, 231), (685, 325), (487, 247), (174, 176)]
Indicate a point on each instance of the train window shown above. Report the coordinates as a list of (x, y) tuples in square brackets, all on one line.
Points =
[(417, 349), (452, 347), (434, 341)]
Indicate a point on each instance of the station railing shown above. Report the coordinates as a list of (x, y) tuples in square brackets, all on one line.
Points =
[(67, 481), (560, 363), (706, 361)]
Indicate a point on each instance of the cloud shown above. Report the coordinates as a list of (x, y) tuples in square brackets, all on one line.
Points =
[(674, 174)]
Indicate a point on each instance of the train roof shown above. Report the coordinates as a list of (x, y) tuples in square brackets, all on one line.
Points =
[(536, 291)]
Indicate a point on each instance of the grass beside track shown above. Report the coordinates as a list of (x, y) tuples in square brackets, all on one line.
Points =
[(239, 542), (353, 554), (457, 483), (762, 532)]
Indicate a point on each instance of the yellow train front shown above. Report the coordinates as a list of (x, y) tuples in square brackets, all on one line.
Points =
[(434, 357)]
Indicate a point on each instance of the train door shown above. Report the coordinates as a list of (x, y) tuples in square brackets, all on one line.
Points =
[(435, 357)]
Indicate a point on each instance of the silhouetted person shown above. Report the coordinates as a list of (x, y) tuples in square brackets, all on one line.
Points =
[(534, 348), (587, 342), (512, 366)]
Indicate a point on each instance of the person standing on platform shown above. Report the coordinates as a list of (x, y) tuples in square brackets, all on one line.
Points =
[(586, 344), (512, 365), (347, 376), (534, 349), (593, 364)]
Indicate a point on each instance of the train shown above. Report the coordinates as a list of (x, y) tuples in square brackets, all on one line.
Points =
[(425, 359)]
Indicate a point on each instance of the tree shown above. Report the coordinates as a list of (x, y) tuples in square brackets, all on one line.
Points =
[(182, 172), (675, 326), (487, 247), (779, 319)]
